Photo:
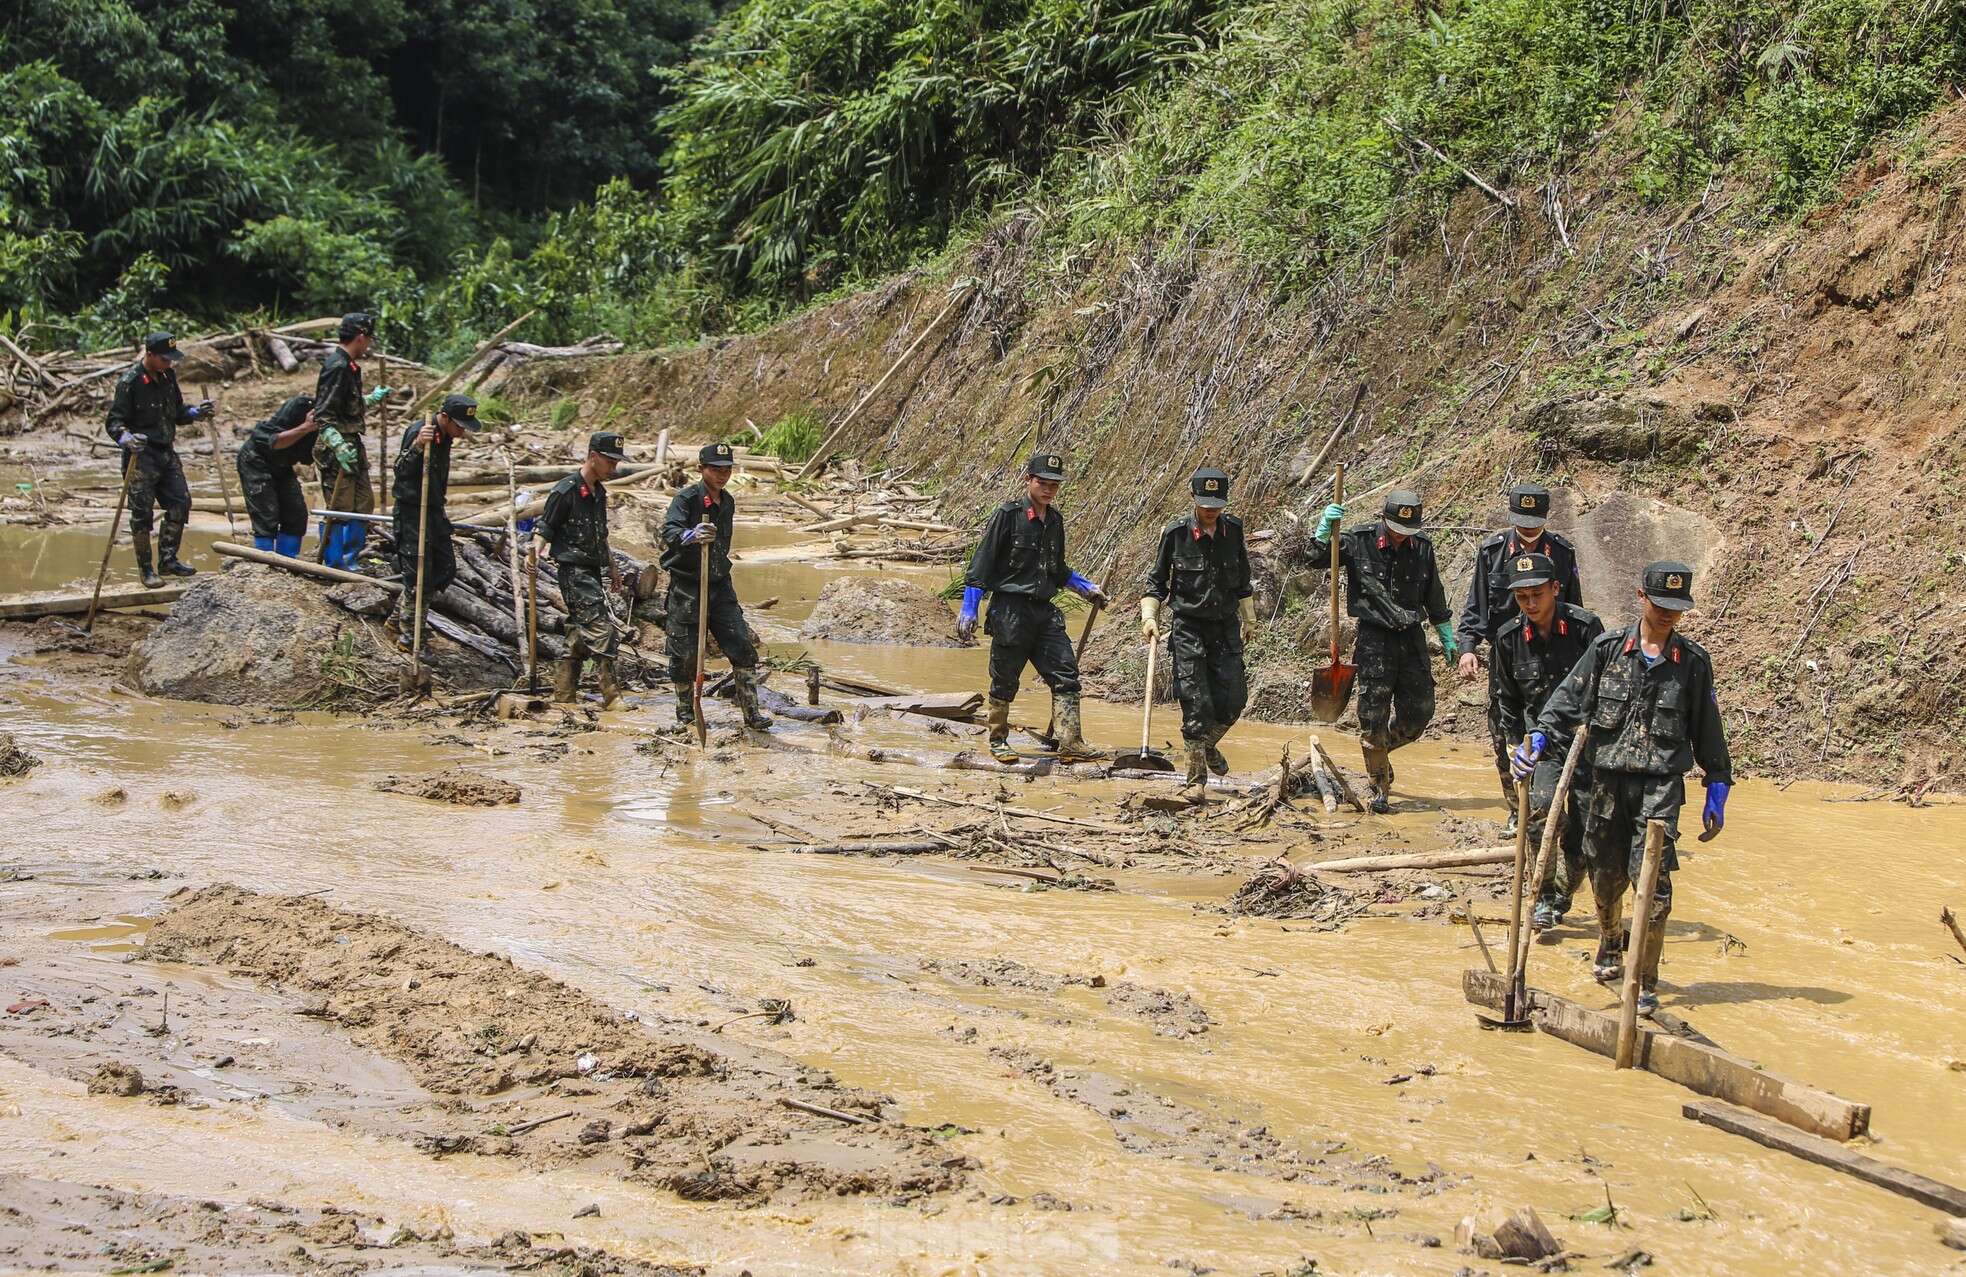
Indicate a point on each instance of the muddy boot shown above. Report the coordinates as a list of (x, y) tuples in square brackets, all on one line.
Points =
[(744, 688), (566, 680), (1216, 762), (168, 537), (1609, 965), (999, 721), (1071, 740), (604, 675), (141, 543), (685, 710), (1648, 966), (1379, 771), (1195, 786)]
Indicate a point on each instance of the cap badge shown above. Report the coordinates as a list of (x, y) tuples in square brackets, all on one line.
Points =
[(1406, 512), (1209, 485), (723, 450), (1674, 581), (1529, 501), (1054, 463), (1525, 564)]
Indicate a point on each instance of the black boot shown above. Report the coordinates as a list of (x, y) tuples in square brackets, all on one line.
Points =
[(744, 689), (168, 538), (140, 542)]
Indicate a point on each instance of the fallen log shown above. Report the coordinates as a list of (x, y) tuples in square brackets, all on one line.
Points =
[(1813, 1148), (1698, 1067), (282, 353), (1346, 793), (1415, 860), (78, 604), (1023, 812), (785, 707), (302, 566), (443, 383), (953, 707), (867, 848)]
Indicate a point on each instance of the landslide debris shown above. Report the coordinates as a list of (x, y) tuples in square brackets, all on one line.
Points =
[(15, 761), (660, 1102), (459, 786), (888, 610)]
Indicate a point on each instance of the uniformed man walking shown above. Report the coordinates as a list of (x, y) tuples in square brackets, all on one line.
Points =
[(1199, 593), (144, 414), (1534, 650), (340, 450), (429, 444), (266, 464), (1393, 589), (706, 513), (1647, 692), (1020, 563), (575, 526), (1491, 604)]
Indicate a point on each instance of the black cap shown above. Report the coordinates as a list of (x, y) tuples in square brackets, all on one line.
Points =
[(1526, 570), (1211, 488), (357, 322), (163, 345), (1529, 505), (1045, 465), (1402, 511), (463, 411), (717, 454), (608, 444), (1669, 584)]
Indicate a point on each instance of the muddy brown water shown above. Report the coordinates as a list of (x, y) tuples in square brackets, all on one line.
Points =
[(1805, 938)]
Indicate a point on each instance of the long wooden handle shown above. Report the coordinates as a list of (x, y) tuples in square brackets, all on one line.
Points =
[(129, 469), (1552, 828), (1648, 882), (422, 563), (1147, 700), (224, 487), (1515, 889), (702, 640), (1337, 498), (1086, 633), (532, 620)]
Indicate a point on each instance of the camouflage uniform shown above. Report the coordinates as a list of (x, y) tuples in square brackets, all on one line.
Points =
[(1490, 605), (273, 495), (1527, 666), (683, 560), (340, 408), (406, 494), (1201, 578), (575, 526), (150, 404)]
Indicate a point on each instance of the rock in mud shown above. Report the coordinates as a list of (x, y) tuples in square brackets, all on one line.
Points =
[(890, 610), (456, 785), (15, 761), (362, 600), (116, 1079), (1952, 1232), (1506, 1235), (1281, 891), (1625, 426)]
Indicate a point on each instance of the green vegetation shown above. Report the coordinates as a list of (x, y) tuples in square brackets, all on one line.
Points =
[(792, 438)]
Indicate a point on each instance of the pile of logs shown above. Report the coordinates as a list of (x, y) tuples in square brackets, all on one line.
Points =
[(883, 522)]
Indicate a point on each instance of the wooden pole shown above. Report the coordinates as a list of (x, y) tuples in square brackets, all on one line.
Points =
[(702, 642), (1512, 1009), (301, 566), (224, 486), (1337, 498), (512, 542), (1648, 882), (129, 470), (817, 465), (532, 620), (1414, 860), (1552, 829), (422, 566), (384, 490)]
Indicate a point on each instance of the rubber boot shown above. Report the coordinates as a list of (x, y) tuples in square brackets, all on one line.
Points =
[(1609, 965), (998, 717), (1195, 786), (1071, 734), (1379, 770), (566, 680), (1216, 762), (744, 689), (262, 543), (288, 543), (353, 537), (168, 537), (1648, 963), (140, 542)]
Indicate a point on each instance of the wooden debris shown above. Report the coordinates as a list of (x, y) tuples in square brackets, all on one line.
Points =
[(1024, 813), (1952, 925), (1415, 860), (1823, 1152), (77, 604)]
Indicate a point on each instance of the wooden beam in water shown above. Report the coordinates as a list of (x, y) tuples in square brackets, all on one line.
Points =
[(1694, 1065), (77, 604), (1813, 1148)]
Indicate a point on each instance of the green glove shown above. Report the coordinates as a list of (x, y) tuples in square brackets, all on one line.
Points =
[(1448, 647), (1332, 514), (376, 396), (344, 456)]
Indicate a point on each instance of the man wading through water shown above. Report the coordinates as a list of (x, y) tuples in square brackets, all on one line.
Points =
[(575, 527), (705, 513), (1199, 590), (1020, 562), (144, 414), (1648, 694), (1393, 588)]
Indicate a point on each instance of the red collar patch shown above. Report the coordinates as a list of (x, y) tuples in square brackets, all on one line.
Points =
[(584, 492), (1382, 540), (146, 379), (709, 501), (1031, 512)]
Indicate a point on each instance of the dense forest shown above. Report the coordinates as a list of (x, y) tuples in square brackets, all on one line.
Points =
[(663, 168)]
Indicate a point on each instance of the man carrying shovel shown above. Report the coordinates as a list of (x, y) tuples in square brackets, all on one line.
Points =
[(574, 527), (144, 414), (1534, 650), (1392, 587), (1199, 590), (429, 525), (704, 515), (1020, 563), (1648, 694)]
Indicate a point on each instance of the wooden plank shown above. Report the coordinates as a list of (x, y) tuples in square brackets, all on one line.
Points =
[(1414, 860), (1812, 1148), (1694, 1065), (955, 706), (77, 604)]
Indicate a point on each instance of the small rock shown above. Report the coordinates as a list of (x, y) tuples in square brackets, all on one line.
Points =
[(1630, 1261), (590, 1209), (315, 1006), (1953, 1233), (1502, 1234), (595, 1132), (586, 1063), (222, 1062), (116, 1079)]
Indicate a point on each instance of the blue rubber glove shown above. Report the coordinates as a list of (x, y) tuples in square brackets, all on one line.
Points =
[(1332, 515), (701, 532), (1086, 589), (1714, 814), (1448, 647), (198, 410), (966, 621), (129, 440), (1523, 760)]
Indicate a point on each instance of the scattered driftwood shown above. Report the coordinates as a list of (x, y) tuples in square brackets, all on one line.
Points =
[(1945, 916), (77, 604), (1416, 860), (999, 808), (1823, 1152)]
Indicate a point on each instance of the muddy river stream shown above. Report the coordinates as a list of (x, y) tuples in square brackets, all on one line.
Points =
[(1805, 938)]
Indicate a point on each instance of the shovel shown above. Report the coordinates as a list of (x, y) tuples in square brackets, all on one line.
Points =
[(416, 681), (702, 644), (1049, 736), (1146, 760), (1331, 687), (1515, 1011)]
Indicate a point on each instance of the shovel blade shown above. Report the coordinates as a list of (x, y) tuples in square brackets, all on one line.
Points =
[(1146, 761), (1331, 691)]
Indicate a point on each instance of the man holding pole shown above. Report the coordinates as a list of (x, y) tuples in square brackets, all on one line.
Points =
[(574, 526), (340, 452), (1647, 693), (144, 414), (1393, 588), (1199, 590), (704, 514), (427, 444), (1534, 650), (1020, 563)]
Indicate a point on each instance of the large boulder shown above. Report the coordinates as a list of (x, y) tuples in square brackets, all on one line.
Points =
[(881, 609)]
